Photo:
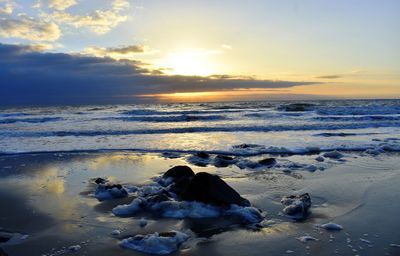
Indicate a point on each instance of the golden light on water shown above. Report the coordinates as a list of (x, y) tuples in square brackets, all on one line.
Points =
[(213, 95)]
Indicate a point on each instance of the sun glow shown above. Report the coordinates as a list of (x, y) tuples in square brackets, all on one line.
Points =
[(189, 62), (212, 95)]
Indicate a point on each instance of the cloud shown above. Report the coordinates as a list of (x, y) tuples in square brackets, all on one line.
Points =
[(99, 21), (29, 77), (118, 52), (55, 4), (28, 28), (6, 8), (344, 74), (329, 77), (53, 16)]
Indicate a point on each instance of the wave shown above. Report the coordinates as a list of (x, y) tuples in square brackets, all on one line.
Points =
[(13, 114), (358, 118), (150, 112), (203, 129), (174, 118), (271, 115), (236, 151), (360, 110), (344, 134), (30, 120)]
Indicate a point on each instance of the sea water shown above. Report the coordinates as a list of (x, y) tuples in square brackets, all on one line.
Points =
[(273, 126)]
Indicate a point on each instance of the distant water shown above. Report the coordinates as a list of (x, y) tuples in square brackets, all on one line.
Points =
[(275, 126)]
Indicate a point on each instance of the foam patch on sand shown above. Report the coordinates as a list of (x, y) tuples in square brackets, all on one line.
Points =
[(296, 207), (153, 189), (188, 209), (306, 238), (107, 191), (247, 214), (332, 226), (155, 243), (102, 193), (130, 209)]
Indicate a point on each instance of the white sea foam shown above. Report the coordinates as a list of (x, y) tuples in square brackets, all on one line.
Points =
[(129, 209), (151, 189), (102, 193), (247, 214), (365, 241), (306, 238), (332, 226), (74, 248), (155, 243), (115, 232)]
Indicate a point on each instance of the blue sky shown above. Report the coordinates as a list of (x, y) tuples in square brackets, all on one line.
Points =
[(345, 48)]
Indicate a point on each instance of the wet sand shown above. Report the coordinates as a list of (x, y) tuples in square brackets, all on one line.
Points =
[(49, 197)]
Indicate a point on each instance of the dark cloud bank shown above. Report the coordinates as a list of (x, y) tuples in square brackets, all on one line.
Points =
[(28, 77)]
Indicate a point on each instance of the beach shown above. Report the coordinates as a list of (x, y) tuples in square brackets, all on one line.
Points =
[(49, 197), (58, 168)]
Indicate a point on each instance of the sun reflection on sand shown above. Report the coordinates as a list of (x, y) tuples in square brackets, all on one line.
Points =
[(53, 183)]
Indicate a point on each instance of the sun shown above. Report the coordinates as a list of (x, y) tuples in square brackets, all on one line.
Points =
[(189, 62)]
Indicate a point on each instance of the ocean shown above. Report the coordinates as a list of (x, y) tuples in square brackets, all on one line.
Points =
[(86, 179), (270, 127)]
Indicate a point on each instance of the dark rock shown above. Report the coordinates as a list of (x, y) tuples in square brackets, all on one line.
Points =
[(100, 181), (181, 176), (297, 206), (178, 172), (211, 189), (268, 161), (180, 185), (223, 161), (203, 155)]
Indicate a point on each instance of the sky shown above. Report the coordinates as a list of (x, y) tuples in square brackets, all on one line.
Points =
[(127, 51)]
